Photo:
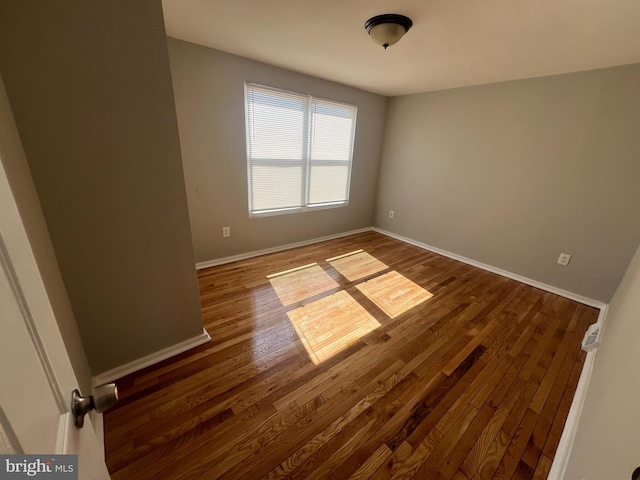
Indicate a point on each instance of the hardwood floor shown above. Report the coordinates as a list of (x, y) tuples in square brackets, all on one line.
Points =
[(475, 382)]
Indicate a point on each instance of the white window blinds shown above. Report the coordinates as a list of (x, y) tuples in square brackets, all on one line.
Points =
[(299, 150)]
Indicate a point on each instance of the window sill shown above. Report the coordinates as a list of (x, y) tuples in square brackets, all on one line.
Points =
[(287, 211)]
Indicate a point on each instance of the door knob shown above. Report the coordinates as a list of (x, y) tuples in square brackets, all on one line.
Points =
[(104, 397)]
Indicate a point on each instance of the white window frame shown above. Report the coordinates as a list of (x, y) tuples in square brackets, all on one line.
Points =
[(306, 162)]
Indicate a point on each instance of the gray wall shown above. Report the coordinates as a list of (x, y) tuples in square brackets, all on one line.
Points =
[(17, 170), (606, 442), (90, 87), (512, 174), (209, 95)]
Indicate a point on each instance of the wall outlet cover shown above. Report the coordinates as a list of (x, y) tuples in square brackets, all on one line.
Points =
[(564, 259), (591, 339)]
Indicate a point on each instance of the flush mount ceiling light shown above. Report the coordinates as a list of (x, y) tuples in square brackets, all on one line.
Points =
[(387, 29)]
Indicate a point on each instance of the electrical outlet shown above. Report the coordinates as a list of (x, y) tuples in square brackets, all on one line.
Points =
[(226, 231), (391, 213), (591, 340), (564, 259)]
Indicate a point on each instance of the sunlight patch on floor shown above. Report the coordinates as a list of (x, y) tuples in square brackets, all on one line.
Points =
[(356, 265), (394, 293), (300, 283), (331, 324)]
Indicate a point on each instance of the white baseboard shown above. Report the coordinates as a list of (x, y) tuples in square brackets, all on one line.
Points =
[(563, 452), (561, 458), (534, 283), (514, 276), (257, 253), (568, 435), (139, 364)]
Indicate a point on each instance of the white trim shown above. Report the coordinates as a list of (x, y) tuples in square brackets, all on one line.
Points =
[(29, 291), (514, 276), (139, 364), (62, 439), (9, 444), (563, 452), (257, 253), (309, 105), (299, 209), (97, 422)]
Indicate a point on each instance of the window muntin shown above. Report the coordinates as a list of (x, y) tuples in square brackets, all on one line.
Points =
[(299, 151)]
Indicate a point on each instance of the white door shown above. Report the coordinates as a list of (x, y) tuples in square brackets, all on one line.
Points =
[(36, 377)]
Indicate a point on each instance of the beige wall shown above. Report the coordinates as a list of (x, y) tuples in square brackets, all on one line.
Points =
[(512, 174), (17, 170), (209, 95), (90, 87), (607, 441)]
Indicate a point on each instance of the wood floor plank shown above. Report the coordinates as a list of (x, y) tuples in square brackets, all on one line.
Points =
[(370, 466), (481, 447), (399, 456), (474, 382), (313, 447), (384, 408), (518, 443), (450, 440), (460, 449)]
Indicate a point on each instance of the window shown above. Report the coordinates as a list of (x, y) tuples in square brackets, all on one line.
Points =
[(299, 151)]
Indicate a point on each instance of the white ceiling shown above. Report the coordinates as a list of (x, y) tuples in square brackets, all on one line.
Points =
[(453, 43)]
